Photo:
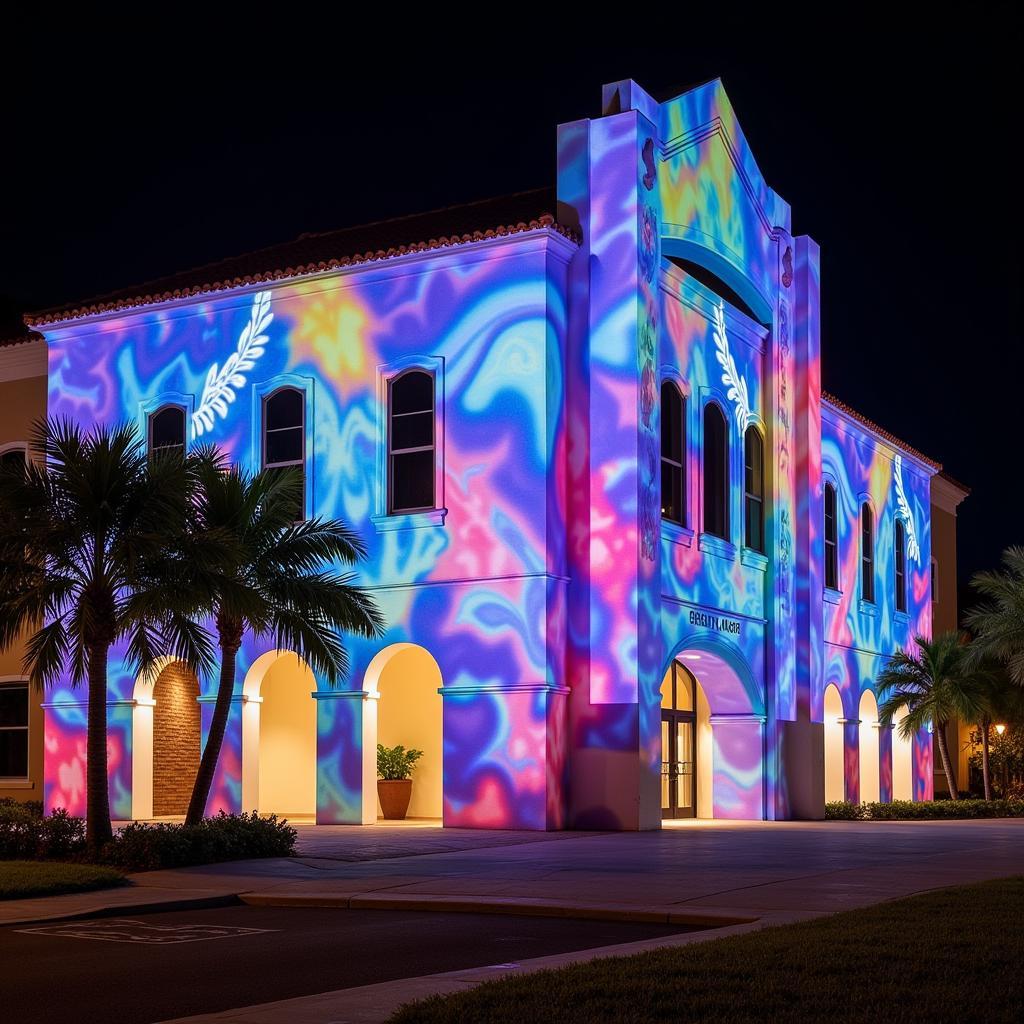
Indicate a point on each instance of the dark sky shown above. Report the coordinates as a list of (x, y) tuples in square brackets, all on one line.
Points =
[(894, 144)]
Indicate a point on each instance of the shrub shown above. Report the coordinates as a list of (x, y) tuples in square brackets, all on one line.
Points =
[(142, 847), (844, 810), (396, 762), (26, 835), (924, 810)]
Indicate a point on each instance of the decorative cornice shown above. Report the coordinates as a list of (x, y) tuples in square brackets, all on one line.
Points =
[(22, 359), (830, 401)]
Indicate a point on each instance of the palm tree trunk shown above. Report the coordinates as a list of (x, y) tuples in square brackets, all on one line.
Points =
[(985, 773), (98, 830), (940, 737), (230, 640)]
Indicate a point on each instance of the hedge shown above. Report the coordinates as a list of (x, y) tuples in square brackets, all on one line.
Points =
[(924, 810), (27, 834)]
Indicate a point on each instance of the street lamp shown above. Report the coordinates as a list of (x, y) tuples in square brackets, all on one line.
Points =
[(1000, 729)]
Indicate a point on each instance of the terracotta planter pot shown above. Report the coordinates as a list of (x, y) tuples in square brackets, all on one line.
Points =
[(395, 795)]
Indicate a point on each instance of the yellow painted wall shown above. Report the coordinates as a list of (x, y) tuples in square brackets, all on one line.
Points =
[(869, 777), (410, 713), (835, 770), (22, 402), (287, 739)]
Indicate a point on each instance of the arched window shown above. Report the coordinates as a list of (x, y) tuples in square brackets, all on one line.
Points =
[(831, 539), (673, 453), (411, 442), (716, 472), (284, 435), (167, 430), (901, 566), (867, 553), (753, 490)]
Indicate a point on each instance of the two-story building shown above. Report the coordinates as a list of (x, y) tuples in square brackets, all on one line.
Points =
[(634, 565)]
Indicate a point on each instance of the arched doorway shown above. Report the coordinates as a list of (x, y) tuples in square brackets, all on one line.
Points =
[(410, 714), (166, 740), (835, 773), (902, 761), (868, 748), (279, 737), (725, 713), (177, 739), (680, 778)]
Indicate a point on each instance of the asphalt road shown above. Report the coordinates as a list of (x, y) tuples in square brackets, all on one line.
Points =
[(155, 967)]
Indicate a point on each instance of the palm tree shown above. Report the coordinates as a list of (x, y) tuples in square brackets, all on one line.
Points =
[(278, 582), (936, 685), (1000, 700), (999, 619), (90, 556)]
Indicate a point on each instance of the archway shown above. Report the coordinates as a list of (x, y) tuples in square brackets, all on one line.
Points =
[(410, 714), (868, 748), (166, 739), (902, 761), (177, 739), (835, 773), (728, 736), (279, 736)]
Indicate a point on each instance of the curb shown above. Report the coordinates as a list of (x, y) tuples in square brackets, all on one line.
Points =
[(501, 905), (194, 903)]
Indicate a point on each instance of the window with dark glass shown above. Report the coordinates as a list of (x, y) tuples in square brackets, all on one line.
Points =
[(14, 730), (753, 490), (867, 554), (901, 567), (716, 472), (831, 539), (411, 442), (284, 435), (167, 430), (673, 449)]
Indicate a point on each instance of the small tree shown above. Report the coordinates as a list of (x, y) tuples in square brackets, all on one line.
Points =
[(277, 581), (999, 619), (91, 554), (936, 685)]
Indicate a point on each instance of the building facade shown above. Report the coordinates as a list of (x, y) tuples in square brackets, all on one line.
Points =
[(634, 565)]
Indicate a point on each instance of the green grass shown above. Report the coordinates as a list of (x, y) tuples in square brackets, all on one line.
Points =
[(951, 955), (22, 879)]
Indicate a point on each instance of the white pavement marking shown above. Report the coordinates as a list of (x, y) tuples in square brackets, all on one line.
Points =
[(129, 930)]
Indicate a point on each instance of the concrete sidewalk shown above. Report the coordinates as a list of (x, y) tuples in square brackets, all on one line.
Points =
[(700, 873)]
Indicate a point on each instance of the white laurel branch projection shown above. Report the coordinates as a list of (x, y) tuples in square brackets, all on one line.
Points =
[(903, 506), (736, 385), (221, 383)]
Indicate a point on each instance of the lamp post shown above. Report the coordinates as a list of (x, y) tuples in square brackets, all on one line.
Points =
[(1000, 729)]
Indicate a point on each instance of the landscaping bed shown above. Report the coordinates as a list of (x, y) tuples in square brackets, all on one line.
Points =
[(924, 810), (27, 834), (949, 955), (24, 879)]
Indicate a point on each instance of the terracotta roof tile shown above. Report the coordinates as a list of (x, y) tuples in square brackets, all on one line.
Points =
[(329, 250), (880, 431), (20, 339)]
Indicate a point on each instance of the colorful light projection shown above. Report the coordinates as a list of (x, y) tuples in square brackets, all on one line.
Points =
[(488, 321), (543, 584), (861, 634)]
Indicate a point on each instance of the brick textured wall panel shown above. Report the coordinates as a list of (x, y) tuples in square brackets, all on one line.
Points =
[(176, 739)]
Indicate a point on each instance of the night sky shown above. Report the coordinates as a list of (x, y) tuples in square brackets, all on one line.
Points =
[(894, 145)]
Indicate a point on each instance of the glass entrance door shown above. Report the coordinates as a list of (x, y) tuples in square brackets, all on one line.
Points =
[(678, 746)]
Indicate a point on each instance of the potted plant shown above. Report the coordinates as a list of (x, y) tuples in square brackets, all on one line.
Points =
[(394, 783)]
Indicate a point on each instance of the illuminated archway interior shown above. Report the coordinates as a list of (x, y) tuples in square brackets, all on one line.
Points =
[(728, 736), (409, 713), (902, 761), (287, 739), (835, 776), (869, 758)]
